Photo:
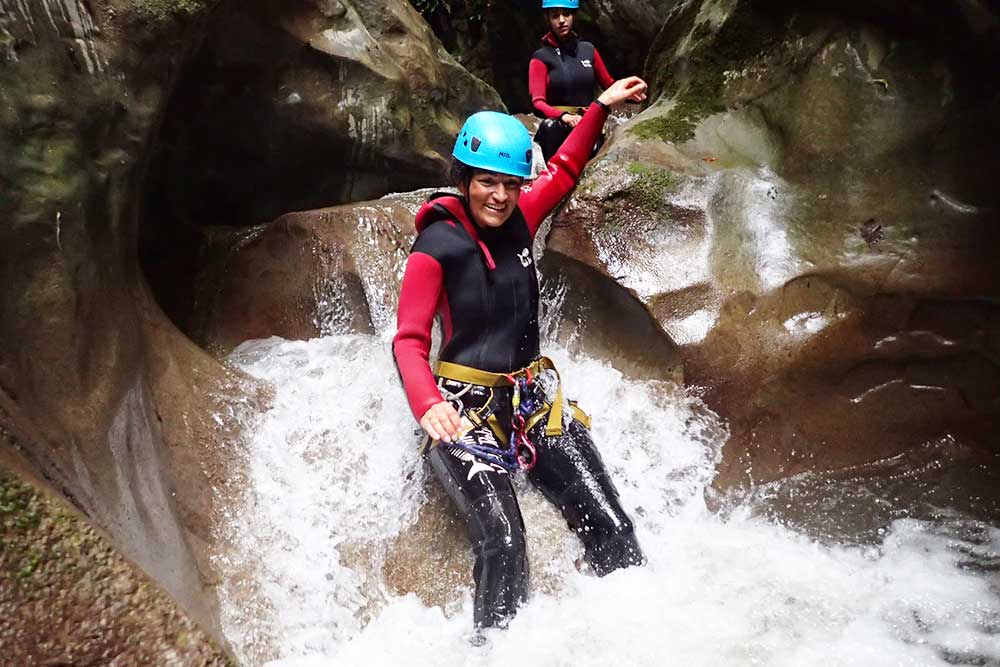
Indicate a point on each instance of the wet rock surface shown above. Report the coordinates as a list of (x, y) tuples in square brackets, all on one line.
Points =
[(285, 279), (338, 270), (67, 596), (294, 106), (332, 270), (107, 401), (805, 219), (431, 558), (803, 209), (945, 483)]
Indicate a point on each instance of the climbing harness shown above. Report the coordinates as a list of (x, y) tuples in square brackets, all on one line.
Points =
[(505, 457), (523, 403), (570, 109), (531, 403)]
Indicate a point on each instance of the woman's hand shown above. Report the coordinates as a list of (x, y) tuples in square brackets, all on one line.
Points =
[(630, 88), (441, 422), (571, 119)]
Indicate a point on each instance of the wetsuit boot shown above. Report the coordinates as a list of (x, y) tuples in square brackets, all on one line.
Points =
[(550, 135)]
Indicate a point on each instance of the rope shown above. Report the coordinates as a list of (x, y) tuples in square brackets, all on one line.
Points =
[(505, 457), (528, 409)]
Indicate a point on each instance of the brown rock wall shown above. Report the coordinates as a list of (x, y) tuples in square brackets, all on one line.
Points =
[(793, 210), (295, 106), (114, 128), (68, 597), (339, 269), (86, 357)]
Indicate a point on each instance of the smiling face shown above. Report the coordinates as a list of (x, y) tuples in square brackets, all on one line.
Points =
[(492, 197), (560, 22)]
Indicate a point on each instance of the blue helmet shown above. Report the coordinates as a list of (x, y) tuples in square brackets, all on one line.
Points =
[(496, 142), (563, 4)]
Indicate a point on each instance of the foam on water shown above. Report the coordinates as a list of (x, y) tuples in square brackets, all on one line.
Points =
[(335, 476)]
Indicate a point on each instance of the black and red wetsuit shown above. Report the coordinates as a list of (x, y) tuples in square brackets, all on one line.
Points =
[(562, 74), (481, 282), (561, 79), (483, 286)]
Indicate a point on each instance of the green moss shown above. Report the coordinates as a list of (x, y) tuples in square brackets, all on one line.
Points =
[(20, 517), (52, 167), (701, 31), (660, 63), (29, 563), (650, 185), (644, 196), (57, 129), (700, 98), (7, 43), (159, 10), (744, 34), (18, 505)]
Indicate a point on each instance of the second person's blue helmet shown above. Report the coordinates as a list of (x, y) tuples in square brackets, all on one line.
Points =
[(495, 142), (561, 4)]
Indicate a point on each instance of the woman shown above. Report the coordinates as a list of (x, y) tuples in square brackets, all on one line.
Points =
[(493, 405), (561, 76)]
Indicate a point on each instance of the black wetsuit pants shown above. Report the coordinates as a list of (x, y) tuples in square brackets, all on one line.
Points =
[(569, 473), (551, 134)]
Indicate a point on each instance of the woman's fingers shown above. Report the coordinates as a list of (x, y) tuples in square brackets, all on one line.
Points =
[(425, 423), (455, 422), (441, 422), (631, 82), (636, 87), (623, 89)]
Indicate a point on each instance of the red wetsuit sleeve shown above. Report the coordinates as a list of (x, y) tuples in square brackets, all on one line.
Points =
[(418, 298), (604, 78), (538, 88), (563, 170)]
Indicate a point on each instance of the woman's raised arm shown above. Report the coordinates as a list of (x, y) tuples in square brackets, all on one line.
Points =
[(563, 170)]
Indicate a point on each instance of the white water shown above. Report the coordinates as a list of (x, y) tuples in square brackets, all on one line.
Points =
[(334, 476)]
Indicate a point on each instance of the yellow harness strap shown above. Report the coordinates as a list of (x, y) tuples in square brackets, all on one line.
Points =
[(468, 375), (575, 110)]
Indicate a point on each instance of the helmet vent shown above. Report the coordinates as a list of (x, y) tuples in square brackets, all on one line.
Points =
[(527, 156), (475, 144)]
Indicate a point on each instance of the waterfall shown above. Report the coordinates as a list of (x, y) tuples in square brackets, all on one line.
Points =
[(334, 480)]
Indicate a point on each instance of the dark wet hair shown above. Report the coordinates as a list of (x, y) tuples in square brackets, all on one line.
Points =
[(460, 174)]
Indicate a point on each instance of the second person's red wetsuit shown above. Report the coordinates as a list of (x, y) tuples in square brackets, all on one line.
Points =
[(562, 74)]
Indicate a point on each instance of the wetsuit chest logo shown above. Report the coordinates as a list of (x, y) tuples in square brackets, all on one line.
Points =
[(525, 258), (586, 63)]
